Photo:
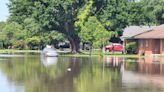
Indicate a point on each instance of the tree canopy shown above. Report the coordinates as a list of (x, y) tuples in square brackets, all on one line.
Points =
[(84, 20), (54, 15)]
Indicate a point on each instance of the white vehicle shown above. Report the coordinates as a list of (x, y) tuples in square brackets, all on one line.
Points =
[(49, 52)]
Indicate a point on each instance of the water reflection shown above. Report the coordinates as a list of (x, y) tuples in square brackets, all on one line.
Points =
[(5, 86), (147, 65), (10, 55), (146, 73), (110, 74), (113, 61), (150, 65), (47, 61)]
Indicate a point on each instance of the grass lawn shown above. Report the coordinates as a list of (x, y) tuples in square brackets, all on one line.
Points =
[(99, 53), (66, 53), (17, 51)]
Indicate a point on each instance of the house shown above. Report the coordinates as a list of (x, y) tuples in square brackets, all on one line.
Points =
[(149, 40), (131, 31)]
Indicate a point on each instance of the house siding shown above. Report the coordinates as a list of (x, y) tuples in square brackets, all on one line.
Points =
[(162, 46), (141, 47), (156, 46), (150, 46)]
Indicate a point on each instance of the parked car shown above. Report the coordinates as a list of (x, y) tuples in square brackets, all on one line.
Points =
[(114, 47), (64, 45)]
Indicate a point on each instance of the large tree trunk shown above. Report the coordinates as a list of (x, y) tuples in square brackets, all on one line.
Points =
[(75, 44), (72, 37)]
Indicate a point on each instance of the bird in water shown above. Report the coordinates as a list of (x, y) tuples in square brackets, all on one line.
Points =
[(69, 69)]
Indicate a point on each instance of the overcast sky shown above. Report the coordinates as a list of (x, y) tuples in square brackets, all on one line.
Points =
[(4, 12)]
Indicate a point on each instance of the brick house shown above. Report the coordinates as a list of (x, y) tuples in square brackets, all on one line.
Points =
[(131, 31), (150, 40)]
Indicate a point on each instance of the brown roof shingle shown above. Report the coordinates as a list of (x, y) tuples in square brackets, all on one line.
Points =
[(156, 33), (131, 31)]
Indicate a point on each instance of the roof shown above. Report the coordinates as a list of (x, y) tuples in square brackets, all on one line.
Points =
[(156, 33), (131, 31)]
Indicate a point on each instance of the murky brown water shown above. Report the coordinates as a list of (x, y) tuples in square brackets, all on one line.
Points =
[(32, 73)]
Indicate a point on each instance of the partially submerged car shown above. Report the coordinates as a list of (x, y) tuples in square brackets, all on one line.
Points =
[(114, 47), (49, 51)]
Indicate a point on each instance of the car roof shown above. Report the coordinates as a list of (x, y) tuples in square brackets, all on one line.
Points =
[(116, 44)]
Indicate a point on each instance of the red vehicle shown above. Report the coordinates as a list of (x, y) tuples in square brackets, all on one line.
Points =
[(114, 47)]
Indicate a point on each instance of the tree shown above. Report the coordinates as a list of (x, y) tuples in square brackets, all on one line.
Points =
[(122, 13), (49, 15), (2, 25), (52, 38), (155, 7), (33, 42), (140, 15), (11, 33), (91, 29), (94, 33)]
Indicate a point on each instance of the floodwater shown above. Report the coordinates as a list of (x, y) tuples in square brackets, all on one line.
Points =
[(33, 73)]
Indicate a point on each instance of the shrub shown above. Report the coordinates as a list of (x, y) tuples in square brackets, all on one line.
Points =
[(131, 48), (33, 43), (19, 44)]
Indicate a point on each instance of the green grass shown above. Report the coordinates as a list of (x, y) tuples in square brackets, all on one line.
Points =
[(17, 51), (95, 53), (99, 53)]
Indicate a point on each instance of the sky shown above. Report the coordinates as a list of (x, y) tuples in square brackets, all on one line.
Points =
[(4, 12)]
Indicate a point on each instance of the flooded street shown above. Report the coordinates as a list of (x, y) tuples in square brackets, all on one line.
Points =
[(33, 73)]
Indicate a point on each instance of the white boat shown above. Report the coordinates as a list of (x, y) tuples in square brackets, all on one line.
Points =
[(49, 51)]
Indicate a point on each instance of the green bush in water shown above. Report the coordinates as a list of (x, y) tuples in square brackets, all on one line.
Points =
[(131, 48)]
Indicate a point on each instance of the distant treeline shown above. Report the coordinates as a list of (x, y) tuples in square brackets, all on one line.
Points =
[(14, 36)]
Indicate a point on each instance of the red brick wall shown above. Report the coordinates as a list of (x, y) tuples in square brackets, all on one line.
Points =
[(149, 46), (163, 46), (141, 47), (156, 46)]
